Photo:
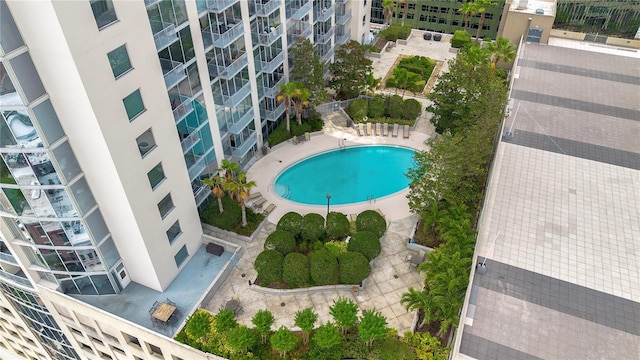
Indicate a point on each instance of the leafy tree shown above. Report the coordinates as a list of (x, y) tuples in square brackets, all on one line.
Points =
[(199, 324), (262, 321), (388, 6), (501, 49), (350, 67), (357, 109), (283, 341), (306, 319), (216, 189), (240, 190), (225, 321), (327, 336), (345, 312), (417, 299), (308, 69), (302, 101), (481, 8), (468, 8), (241, 338), (376, 107), (372, 326)]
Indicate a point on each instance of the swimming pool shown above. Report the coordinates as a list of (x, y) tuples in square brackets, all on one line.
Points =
[(350, 175)]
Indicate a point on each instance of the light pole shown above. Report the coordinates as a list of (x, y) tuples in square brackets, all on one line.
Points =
[(328, 201)]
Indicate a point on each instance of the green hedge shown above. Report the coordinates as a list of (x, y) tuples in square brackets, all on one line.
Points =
[(460, 39), (268, 264), (395, 106), (231, 218), (336, 248), (357, 110), (312, 227), (366, 243), (337, 225), (370, 220), (395, 32), (282, 241), (323, 267), (412, 109), (278, 135), (354, 267), (295, 270), (291, 222), (376, 107)]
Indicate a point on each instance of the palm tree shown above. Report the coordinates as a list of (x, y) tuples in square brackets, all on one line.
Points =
[(501, 49), (216, 189), (388, 6), (240, 190), (419, 299), (468, 9), (287, 93), (481, 7), (302, 95), (230, 169), (404, 11)]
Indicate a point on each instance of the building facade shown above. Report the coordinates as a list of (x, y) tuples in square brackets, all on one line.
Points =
[(112, 114), (439, 16), (617, 16)]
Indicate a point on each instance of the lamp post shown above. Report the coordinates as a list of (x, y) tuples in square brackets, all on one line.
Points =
[(328, 201)]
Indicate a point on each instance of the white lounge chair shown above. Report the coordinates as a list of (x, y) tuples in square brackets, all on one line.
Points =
[(369, 129), (385, 129), (406, 132), (395, 130), (378, 129), (269, 209)]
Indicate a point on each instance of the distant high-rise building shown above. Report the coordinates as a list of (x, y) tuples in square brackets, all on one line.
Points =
[(111, 115)]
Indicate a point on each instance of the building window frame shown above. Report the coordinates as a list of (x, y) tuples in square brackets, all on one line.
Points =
[(119, 61)]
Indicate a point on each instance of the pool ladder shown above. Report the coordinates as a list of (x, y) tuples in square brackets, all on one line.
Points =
[(341, 144), (371, 199)]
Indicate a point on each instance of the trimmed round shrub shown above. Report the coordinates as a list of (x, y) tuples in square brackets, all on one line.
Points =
[(376, 107), (295, 270), (312, 227), (366, 243), (370, 220), (336, 248), (268, 264), (323, 267), (337, 225), (357, 110), (354, 267), (412, 108), (395, 106), (281, 241), (291, 222)]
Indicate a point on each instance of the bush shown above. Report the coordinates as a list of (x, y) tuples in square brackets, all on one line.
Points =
[(337, 225), (366, 243), (316, 123), (291, 222), (299, 129), (354, 267), (412, 109), (281, 241), (395, 32), (336, 248), (390, 82), (376, 107), (268, 264), (312, 227), (395, 106), (295, 270), (227, 220), (280, 134), (357, 110), (370, 220), (460, 39), (323, 267)]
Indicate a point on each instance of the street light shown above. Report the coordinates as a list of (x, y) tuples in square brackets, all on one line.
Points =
[(328, 201)]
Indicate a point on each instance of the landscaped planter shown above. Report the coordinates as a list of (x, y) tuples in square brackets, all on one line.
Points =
[(412, 246)]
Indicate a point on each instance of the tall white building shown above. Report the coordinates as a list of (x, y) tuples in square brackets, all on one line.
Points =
[(112, 112)]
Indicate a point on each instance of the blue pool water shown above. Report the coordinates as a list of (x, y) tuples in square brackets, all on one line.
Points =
[(350, 175)]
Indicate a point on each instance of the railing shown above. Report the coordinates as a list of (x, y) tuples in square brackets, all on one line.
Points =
[(242, 150), (234, 100), (219, 5), (164, 37), (182, 110), (342, 19), (175, 72), (16, 279), (273, 35), (237, 126), (268, 8), (323, 38), (297, 35), (227, 72), (342, 39), (200, 194), (196, 168), (299, 13), (341, 1), (327, 56), (271, 92), (8, 258), (190, 140), (224, 38), (322, 15), (148, 3), (271, 66), (273, 115)]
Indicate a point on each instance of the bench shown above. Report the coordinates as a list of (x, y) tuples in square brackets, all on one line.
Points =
[(215, 249)]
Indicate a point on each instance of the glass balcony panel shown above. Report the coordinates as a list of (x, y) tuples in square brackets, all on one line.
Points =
[(272, 91), (267, 7), (273, 115), (298, 33), (173, 72), (297, 13), (197, 166), (323, 14), (237, 126), (191, 137), (324, 38), (342, 39), (181, 110), (234, 100), (223, 36), (343, 18), (270, 37), (327, 55), (164, 34), (243, 149), (219, 5), (236, 65), (271, 66)]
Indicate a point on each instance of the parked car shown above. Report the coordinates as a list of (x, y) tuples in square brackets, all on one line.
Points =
[(437, 37), (427, 36)]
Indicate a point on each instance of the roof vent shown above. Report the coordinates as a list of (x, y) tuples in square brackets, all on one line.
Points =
[(522, 4), (540, 11)]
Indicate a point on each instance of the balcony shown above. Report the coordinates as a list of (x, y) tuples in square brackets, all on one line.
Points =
[(243, 149), (164, 34), (223, 36), (322, 15), (344, 18), (324, 38), (234, 100), (342, 39), (299, 12), (270, 37), (271, 92), (16, 279), (327, 56), (184, 109), (228, 72), (7, 258), (299, 33), (200, 191), (271, 66), (267, 8), (190, 139), (273, 115), (195, 164), (237, 126), (173, 72), (219, 5)]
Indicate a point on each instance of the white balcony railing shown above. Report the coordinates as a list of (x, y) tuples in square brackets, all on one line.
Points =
[(237, 126), (173, 72), (222, 38), (323, 38), (322, 15), (268, 8), (196, 168), (343, 18), (243, 149), (182, 110), (219, 5), (271, 92), (299, 13), (342, 39), (273, 115), (271, 36), (165, 36), (271, 66), (191, 139), (234, 100)]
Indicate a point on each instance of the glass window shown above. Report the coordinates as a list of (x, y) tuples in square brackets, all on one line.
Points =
[(48, 120), (109, 252), (146, 142), (96, 225), (83, 196), (103, 12), (66, 161), (174, 231), (27, 76), (133, 104), (156, 175), (10, 38), (181, 255), (119, 60), (165, 206)]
